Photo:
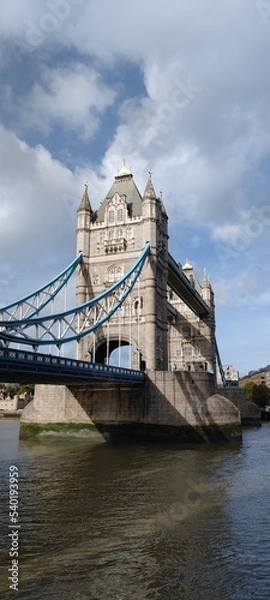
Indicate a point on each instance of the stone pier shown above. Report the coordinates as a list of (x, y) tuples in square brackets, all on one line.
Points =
[(250, 412), (170, 406)]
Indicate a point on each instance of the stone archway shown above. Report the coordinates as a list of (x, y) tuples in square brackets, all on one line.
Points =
[(104, 350)]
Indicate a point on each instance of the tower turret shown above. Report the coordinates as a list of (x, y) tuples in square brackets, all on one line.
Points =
[(208, 327), (155, 277), (111, 239), (84, 215), (149, 212)]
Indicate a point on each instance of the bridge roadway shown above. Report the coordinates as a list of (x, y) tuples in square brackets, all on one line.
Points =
[(183, 288), (32, 367)]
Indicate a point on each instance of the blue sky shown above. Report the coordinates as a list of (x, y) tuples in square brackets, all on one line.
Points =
[(181, 87)]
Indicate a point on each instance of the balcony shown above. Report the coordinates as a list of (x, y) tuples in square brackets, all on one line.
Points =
[(115, 245)]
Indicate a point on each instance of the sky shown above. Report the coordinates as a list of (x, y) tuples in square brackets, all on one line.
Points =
[(182, 88)]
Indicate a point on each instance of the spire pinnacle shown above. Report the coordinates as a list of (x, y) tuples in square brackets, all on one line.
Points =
[(149, 190), (187, 266), (85, 201), (124, 171), (206, 278)]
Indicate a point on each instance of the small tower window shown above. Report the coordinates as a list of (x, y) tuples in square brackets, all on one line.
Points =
[(115, 273), (120, 215), (120, 233), (138, 305), (186, 331), (111, 216)]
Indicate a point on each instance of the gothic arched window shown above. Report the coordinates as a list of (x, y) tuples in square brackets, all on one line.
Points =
[(111, 216), (138, 305), (115, 273), (120, 214)]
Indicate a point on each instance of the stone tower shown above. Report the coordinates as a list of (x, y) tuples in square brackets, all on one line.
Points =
[(111, 239), (192, 342)]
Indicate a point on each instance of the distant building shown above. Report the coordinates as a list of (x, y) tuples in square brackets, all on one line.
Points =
[(257, 377), (231, 375), (8, 404), (16, 403), (267, 378)]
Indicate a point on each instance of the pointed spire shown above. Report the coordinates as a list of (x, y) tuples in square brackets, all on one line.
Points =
[(149, 190), (124, 171), (187, 266), (206, 279), (85, 201), (162, 203)]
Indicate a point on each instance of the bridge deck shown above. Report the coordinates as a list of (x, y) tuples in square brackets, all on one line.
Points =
[(183, 288), (32, 367)]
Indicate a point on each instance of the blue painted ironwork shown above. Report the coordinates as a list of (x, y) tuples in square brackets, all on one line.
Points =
[(181, 285), (33, 366), (77, 322), (221, 370), (29, 306)]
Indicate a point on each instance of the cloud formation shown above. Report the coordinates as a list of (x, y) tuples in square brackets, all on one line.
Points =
[(74, 97), (199, 118)]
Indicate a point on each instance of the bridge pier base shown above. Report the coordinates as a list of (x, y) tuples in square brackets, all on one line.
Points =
[(55, 409), (170, 406)]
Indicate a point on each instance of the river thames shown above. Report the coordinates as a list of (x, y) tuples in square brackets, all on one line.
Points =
[(136, 522)]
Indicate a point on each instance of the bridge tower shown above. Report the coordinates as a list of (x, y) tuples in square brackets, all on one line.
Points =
[(191, 339), (111, 239)]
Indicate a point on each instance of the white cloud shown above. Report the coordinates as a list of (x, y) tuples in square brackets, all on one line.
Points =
[(246, 288), (202, 124), (74, 96), (37, 223)]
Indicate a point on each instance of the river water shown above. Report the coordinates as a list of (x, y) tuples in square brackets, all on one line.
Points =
[(137, 522)]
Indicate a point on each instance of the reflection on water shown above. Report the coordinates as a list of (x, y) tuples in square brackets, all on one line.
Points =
[(149, 522)]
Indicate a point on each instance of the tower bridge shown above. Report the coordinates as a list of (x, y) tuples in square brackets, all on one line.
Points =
[(168, 317), (130, 292)]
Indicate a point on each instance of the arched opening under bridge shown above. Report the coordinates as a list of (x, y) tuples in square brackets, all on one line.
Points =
[(123, 354)]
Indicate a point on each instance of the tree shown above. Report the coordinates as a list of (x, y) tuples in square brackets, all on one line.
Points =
[(11, 389), (249, 390), (259, 394), (26, 389)]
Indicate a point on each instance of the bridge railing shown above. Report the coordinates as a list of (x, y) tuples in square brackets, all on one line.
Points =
[(57, 364)]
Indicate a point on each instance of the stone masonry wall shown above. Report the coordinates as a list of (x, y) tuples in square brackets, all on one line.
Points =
[(167, 399), (250, 412)]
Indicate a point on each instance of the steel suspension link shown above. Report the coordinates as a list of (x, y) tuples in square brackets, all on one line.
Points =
[(29, 306), (77, 322)]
